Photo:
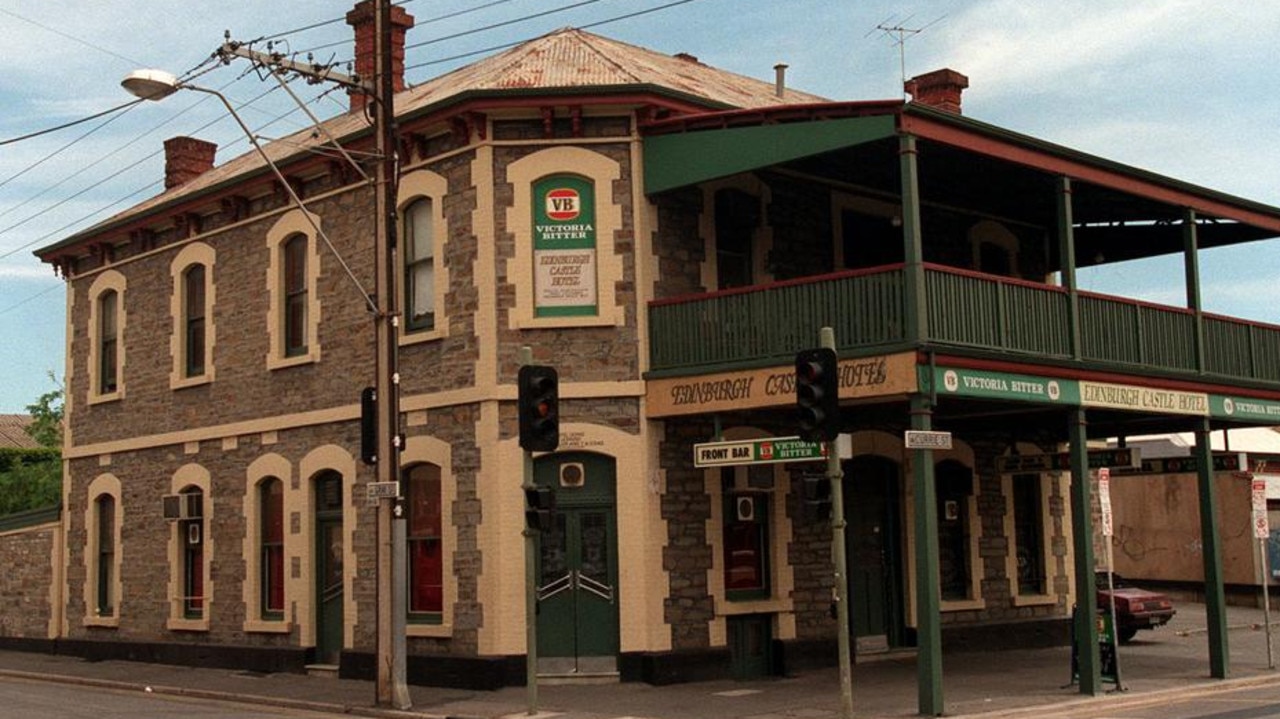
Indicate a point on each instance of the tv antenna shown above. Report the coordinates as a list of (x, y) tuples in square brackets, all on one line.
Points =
[(899, 32)]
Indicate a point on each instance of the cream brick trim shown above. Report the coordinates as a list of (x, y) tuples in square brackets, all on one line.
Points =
[(196, 253), (109, 280), (430, 450), (268, 465), (429, 185), (191, 475), (290, 224), (484, 267), (102, 485), (604, 173)]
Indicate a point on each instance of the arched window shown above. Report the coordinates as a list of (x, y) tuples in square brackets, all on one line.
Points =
[(295, 296), (108, 342), (426, 575), (193, 296), (419, 265), (271, 547), (104, 566)]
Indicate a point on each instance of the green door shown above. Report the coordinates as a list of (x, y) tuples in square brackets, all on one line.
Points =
[(577, 567), (329, 574), (871, 509)]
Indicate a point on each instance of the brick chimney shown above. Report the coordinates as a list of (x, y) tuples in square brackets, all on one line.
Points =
[(940, 89), (185, 159), (362, 20)]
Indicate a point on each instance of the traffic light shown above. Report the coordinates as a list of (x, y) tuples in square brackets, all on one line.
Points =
[(816, 497), (539, 407), (817, 394), (539, 508), (369, 425)]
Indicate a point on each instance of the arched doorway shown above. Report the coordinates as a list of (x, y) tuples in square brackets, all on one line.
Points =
[(872, 508), (578, 566), (327, 486)]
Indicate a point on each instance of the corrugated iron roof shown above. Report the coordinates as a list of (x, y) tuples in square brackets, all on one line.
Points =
[(12, 431), (568, 59)]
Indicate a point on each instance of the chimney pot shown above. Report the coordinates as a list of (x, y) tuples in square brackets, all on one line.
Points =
[(940, 89), (185, 159), (780, 79), (362, 21)]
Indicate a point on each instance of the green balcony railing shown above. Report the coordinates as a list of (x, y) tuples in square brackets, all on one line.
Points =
[(766, 325)]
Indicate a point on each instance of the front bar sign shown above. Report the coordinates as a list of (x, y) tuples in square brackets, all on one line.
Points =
[(757, 451)]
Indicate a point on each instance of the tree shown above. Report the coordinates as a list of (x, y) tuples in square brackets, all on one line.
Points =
[(46, 417)]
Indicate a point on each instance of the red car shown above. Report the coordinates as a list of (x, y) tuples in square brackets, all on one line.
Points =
[(1135, 608)]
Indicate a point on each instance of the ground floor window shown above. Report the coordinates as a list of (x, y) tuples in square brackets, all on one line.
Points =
[(955, 490), (191, 536), (426, 558), (745, 540), (1028, 533)]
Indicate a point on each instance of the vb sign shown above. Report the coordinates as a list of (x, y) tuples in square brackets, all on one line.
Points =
[(563, 204)]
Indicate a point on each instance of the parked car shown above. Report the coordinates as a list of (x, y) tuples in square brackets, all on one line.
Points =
[(1135, 608)]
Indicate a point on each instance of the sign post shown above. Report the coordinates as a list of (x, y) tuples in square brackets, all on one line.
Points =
[(1262, 531), (1104, 499)]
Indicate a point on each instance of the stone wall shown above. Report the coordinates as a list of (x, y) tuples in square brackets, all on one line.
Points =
[(25, 584)]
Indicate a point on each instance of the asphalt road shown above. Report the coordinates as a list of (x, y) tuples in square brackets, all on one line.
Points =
[(1245, 703), (44, 700)]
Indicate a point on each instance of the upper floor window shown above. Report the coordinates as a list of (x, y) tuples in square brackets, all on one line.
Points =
[(295, 291), (426, 558), (737, 217), (420, 264), (108, 342), (193, 281)]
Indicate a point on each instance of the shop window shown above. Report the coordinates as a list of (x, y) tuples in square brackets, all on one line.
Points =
[(745, 541), (426, 560), (105, 562), (271, 547), (955, 490), (419, 264), (1028, 534), (191, 539)]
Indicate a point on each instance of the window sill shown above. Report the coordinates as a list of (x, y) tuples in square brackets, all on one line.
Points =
[(268, 626), (728, 608), (176, 383), (104, 398), (414, 337), (106, 622), (428, 630), (176, 624), (275, 363), (1034, 600), (962, 605), (600, 320)]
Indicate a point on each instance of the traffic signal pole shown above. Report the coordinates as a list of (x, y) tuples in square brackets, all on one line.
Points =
[(530, 578), (827, 338)]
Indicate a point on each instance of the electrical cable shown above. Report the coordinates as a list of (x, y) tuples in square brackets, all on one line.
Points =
[(65, 125), (86, 43), (504, 23)]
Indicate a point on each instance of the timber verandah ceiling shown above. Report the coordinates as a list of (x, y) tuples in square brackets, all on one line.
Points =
[(1119, 212)]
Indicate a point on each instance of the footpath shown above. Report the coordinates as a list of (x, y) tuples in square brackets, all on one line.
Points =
[(1018, 683)]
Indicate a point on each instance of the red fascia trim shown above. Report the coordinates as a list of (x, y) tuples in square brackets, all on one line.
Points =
[(813, 279), (931, 129), (770, 115), (1094, 376)]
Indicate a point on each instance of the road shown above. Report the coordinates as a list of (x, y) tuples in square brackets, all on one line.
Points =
[(49, 700)]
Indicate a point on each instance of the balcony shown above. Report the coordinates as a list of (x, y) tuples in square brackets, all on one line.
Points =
[(967, 312)]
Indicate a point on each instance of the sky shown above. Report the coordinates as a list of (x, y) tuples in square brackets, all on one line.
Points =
[(1184, 88)]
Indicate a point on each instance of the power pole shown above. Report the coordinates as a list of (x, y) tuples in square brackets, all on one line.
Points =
[(391, 687)]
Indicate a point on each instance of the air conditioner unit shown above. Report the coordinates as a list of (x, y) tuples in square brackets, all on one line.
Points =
[(572, 474), (746, 507), (182, 506)]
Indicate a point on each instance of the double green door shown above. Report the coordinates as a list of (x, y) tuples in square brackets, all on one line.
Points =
[(577, 572)]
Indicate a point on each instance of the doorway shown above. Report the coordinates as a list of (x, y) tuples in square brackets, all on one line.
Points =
[(329, 569), (872, 508), (577, 568)]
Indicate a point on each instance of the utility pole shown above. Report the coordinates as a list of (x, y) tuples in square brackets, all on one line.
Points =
[(391, 687)]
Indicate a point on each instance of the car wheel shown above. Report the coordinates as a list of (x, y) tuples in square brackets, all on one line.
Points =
[(1127, 634)]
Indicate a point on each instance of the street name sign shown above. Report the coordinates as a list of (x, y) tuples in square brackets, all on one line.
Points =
[(922, 439), (382, 490), (757, 451)]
